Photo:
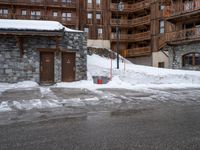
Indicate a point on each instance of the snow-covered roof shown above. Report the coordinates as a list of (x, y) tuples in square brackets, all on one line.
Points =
[(12, 24), (72, 30), (39, 25)]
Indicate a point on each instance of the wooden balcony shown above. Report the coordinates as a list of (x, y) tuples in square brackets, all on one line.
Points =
[(134, 52), (182, 36), (132, 37), (122, 37), (141, 20), (121, 22), (133, 22), (5, 16), (60, 3), (142, 36), (65, 21), (141, 5), (132, 7), (42, 3), (127, 7), (185, 9)]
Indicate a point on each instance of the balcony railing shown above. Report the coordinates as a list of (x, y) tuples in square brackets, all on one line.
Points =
[(141, 20), (140, 51), (142, 36), (188, 34), (132, 7), (135, 37), (40, 3), (186, 7), (121, 22), (72, 20), (71, 3), (122, 37), (127, 7), (128, 22), (141, 5), (5, 16)]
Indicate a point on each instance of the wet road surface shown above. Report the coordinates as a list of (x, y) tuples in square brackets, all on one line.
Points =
[(165, 120)]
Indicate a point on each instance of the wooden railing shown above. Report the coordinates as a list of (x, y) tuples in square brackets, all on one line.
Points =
[(187, 34), (120, 22), (136, 51), (161, 41), (41, 2), (132, 7), (142, 36), (141, 20), (128, 22), (186, 7), (72, 20), (135, 37), (141, 5), (121, 36)]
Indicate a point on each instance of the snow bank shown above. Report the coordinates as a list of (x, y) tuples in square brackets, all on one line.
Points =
[(132, 74)]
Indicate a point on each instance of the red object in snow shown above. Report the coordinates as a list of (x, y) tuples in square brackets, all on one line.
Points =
[(99, 81)]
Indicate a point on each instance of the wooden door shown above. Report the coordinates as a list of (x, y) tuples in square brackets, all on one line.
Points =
[(46, 67), (68, 67)]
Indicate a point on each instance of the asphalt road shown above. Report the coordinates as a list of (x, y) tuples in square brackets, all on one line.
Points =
[(160, 128), (173, 124)]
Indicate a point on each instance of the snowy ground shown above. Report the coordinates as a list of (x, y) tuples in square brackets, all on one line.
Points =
[(129, 76)]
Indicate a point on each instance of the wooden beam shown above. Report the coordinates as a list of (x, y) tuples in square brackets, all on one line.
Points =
[(20, 44)]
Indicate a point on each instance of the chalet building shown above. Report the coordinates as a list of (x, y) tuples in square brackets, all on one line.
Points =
[(41, 51), (182, 34), (145, 28)]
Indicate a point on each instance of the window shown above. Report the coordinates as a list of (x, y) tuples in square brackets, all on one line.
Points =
[(197, 58), (86, 30), (191, 59), (55, 13), (3, 11), (67, 16), (89, 15), (162, 26), (24, 12), (98, 2), (161, 64), (100, 32), (35, 14), (98, 16), (162, 7), (89, 1)]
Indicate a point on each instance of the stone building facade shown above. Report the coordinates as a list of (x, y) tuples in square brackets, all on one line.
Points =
[(15, 66), (177, 54)]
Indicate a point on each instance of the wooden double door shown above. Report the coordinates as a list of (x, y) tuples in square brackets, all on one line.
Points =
[(47, 67)]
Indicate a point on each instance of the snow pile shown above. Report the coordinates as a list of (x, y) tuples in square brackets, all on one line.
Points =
[(24, 84), (138, 74)]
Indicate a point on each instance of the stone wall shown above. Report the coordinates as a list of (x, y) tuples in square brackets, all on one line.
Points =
[(14, 68), (176, 53)]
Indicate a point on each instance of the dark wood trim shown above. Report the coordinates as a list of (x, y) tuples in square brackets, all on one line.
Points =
[(20, 44), (47, 49), (32, 33)]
